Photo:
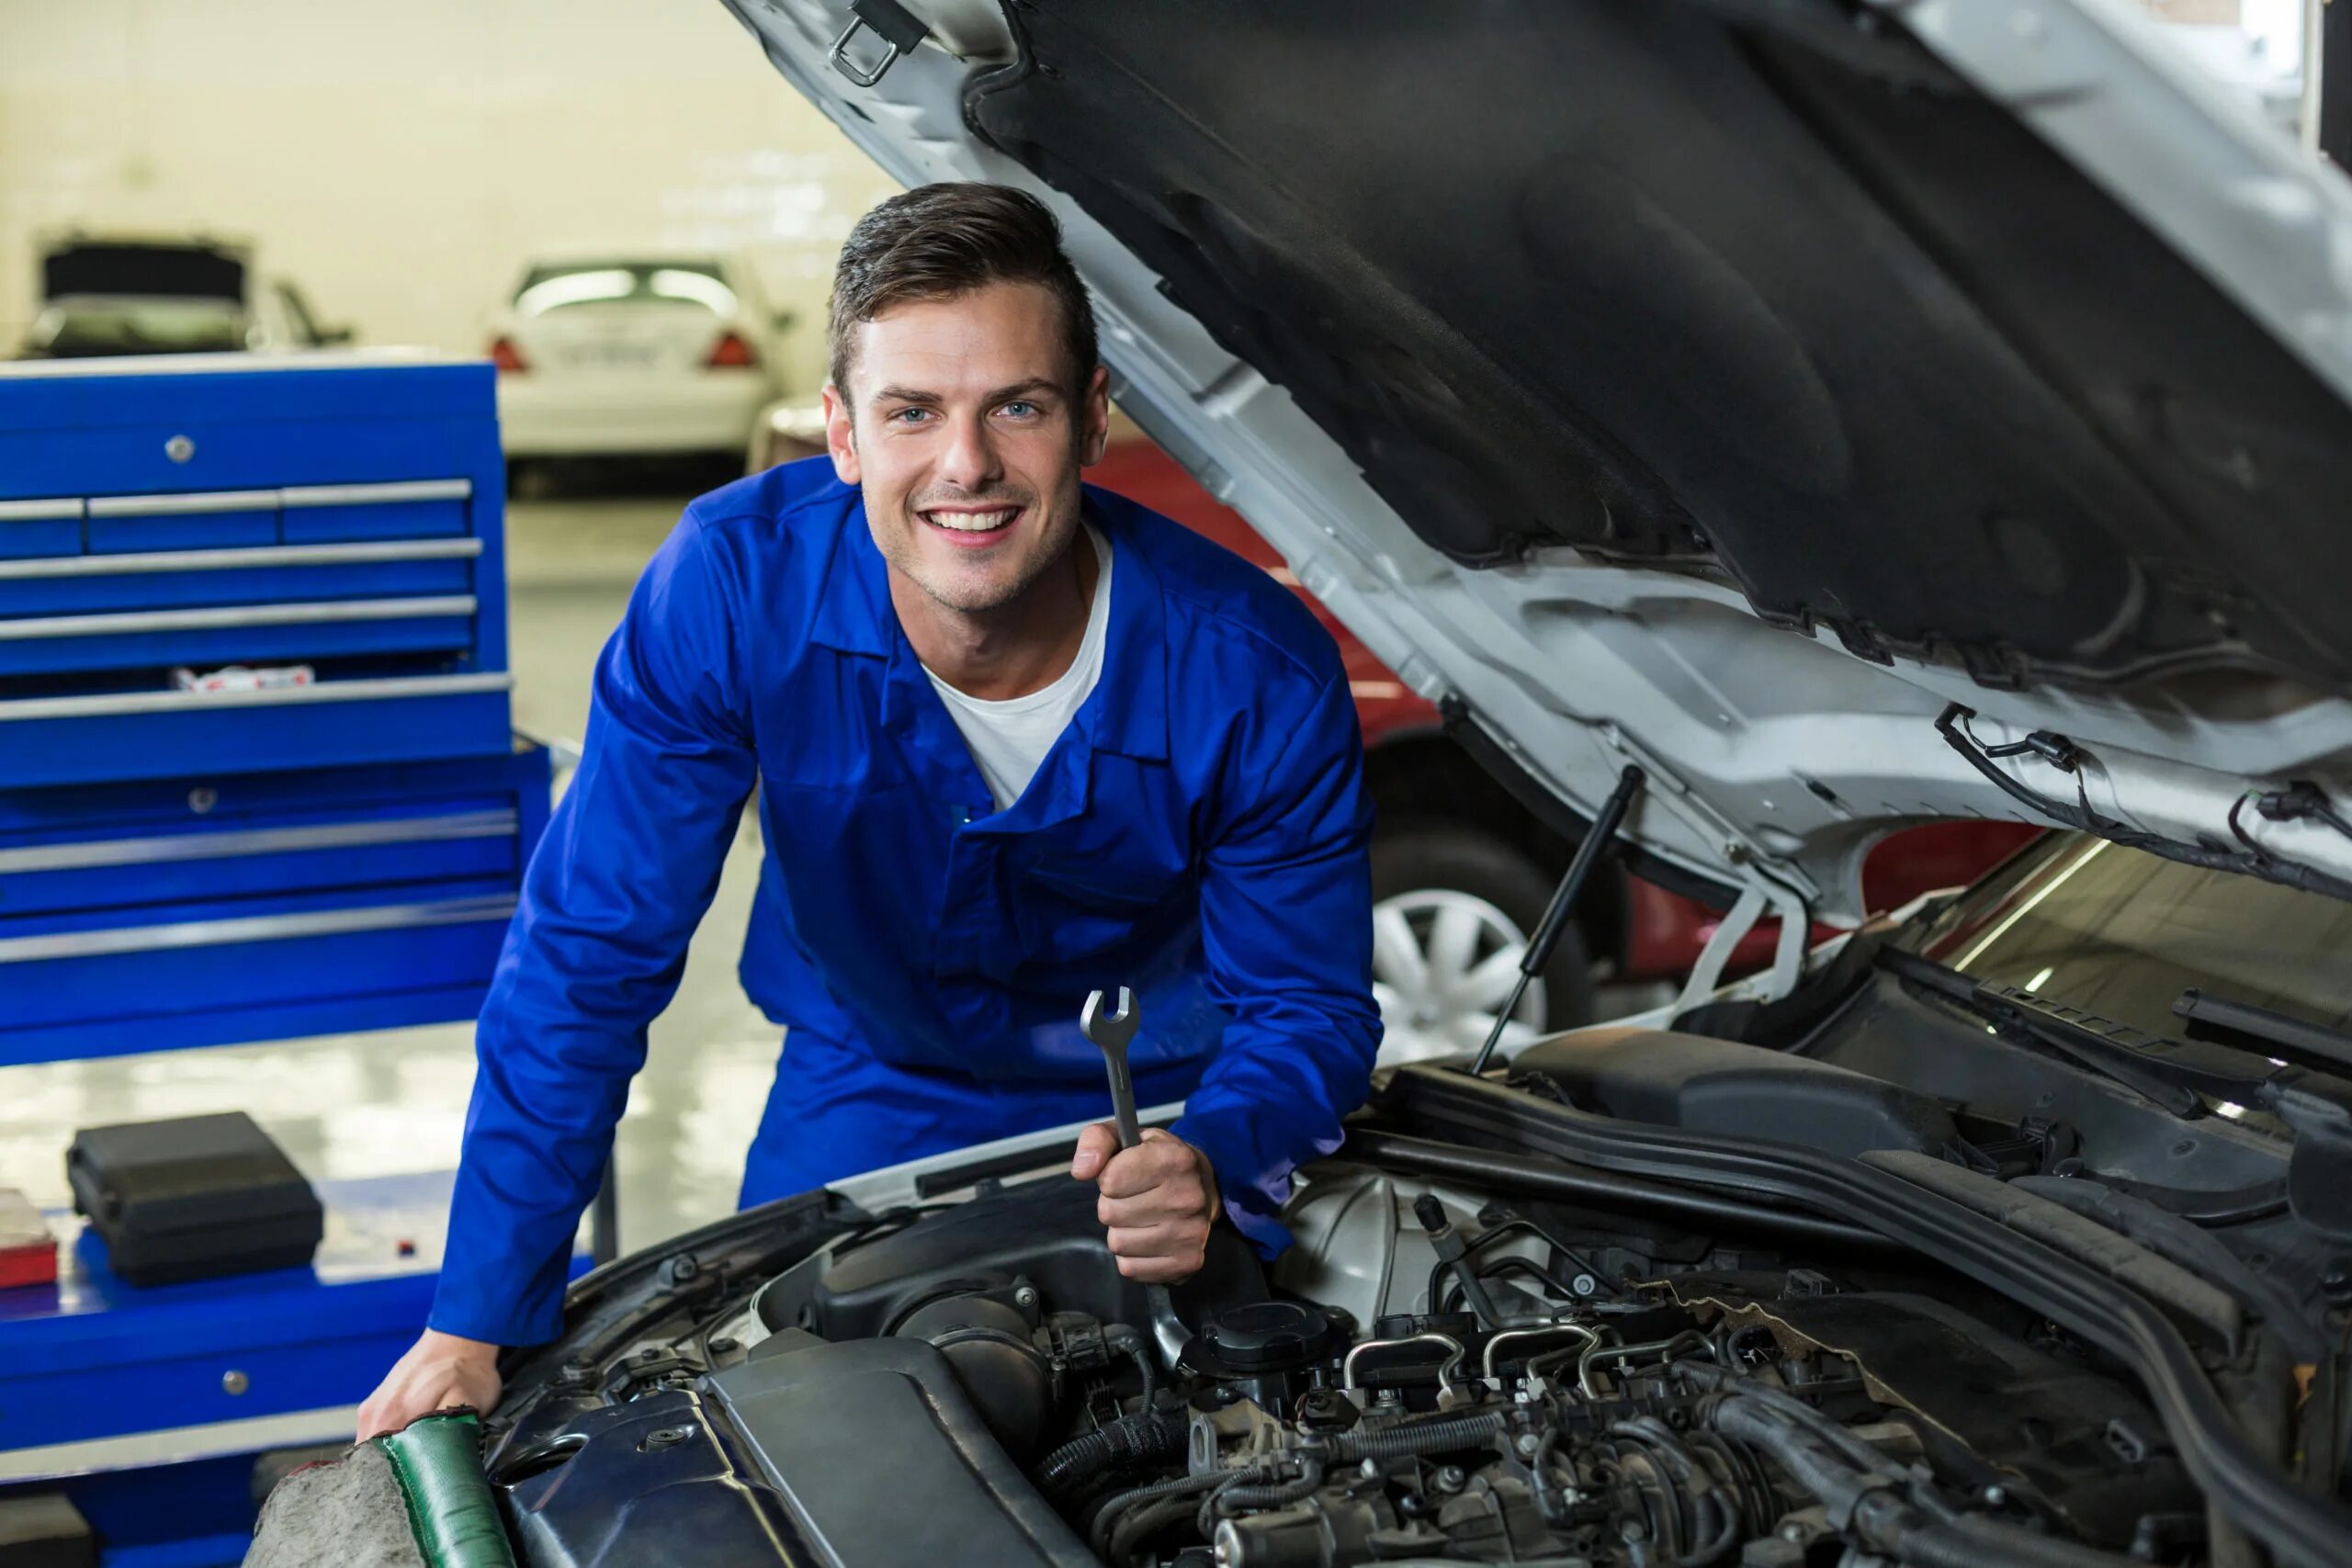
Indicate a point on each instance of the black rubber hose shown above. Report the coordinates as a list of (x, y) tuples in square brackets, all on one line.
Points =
[(1881, 1518), (1123, 1339), (1107, 1519), (1539, 1176), (1420, 1437), (1708, 1500), (1138, 1525), (1974, 1541), (1856, 1453), (1148, 1436), (1230, 1499)]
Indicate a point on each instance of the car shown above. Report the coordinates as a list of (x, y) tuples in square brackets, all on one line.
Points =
[(1758, 427), (1461, 869), (1916, 1286), (104, 295), (625, 351)]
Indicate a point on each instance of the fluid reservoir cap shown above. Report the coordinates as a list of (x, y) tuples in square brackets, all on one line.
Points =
[(1266, 1336)]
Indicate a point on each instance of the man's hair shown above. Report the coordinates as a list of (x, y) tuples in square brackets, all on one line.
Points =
[(938, 241)]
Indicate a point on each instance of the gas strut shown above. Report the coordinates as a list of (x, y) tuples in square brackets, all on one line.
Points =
[(1596, 842)]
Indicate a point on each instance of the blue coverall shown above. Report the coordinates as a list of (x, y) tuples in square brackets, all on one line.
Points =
[(1198, 833)]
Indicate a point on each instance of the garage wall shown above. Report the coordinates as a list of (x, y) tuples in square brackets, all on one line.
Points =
[(399, 162)]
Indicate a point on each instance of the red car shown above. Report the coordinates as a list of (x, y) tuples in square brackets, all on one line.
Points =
[(1461, 871)]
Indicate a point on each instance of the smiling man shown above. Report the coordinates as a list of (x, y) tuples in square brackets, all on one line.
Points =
[(1013, 740)]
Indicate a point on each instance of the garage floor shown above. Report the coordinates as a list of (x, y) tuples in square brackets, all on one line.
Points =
[(365, 1105)]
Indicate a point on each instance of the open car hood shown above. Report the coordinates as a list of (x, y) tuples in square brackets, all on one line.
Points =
[(144, 269), (1727, 386)]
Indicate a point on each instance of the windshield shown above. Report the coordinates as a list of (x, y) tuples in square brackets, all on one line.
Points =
[(2121, 934), (545, 288)]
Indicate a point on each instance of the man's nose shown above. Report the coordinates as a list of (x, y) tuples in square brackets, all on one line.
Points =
[(969, 461)]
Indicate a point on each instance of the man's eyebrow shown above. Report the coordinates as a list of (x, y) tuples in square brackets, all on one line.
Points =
[(903, 395), (1022, 389)]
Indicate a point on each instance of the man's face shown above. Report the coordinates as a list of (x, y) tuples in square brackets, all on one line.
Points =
[(962, 428)]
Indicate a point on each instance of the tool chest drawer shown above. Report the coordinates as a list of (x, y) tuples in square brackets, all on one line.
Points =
[(77, 737), (233, 422), (211, 564), (46, 527), (215, 519), (137, 918)]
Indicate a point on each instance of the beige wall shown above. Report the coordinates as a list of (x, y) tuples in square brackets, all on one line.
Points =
[(2197, 13), (399, 161)]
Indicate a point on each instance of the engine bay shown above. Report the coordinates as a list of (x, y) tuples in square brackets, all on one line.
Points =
[(1434, 1373)]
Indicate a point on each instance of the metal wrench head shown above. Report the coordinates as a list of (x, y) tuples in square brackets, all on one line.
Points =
[(1110, 1031)]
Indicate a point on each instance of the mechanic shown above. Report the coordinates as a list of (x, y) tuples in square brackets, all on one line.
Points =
[(1014, 739)]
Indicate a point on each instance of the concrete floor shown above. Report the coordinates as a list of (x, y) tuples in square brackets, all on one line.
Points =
[(365, 1105)]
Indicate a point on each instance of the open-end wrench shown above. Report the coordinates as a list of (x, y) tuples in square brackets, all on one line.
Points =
[(1111, 1031)]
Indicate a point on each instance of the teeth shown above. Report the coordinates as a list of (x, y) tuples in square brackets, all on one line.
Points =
[(972, 522)]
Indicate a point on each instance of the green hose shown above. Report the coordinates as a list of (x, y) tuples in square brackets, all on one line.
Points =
[(438, 1463)]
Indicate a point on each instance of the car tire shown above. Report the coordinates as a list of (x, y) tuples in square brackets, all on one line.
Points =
[(1415, 867)]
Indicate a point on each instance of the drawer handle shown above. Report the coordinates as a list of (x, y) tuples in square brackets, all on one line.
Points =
[(230, 616), (228, 560), (41, 510), (375, 495), (172, 847), (115, 704), (181, 505), (254, 928)]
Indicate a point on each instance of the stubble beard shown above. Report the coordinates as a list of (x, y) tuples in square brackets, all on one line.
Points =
[(986, 597)]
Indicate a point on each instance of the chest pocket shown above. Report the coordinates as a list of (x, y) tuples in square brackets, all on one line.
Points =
[(1109, 880), (1067, 913)]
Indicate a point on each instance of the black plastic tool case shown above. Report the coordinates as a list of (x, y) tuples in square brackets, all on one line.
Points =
[(192, 1198)]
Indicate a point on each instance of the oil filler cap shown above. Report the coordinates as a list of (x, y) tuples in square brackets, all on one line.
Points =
[(1269, 1337)]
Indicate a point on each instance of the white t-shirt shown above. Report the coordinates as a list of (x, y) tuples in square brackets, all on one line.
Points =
[(1009, 739)]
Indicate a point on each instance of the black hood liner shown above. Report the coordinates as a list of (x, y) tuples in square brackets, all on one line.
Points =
[(1743, 287)]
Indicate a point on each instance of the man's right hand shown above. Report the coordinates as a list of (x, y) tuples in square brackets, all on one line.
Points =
[(439, 1371)]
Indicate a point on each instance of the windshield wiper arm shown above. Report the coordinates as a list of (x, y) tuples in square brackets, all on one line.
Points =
[(2248, 1027), (2114, 1051)]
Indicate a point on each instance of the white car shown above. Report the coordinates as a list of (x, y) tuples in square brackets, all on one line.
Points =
[(633, 353), (104, 295)]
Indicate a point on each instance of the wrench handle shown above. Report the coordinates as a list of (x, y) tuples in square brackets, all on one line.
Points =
[(1123, 1099)]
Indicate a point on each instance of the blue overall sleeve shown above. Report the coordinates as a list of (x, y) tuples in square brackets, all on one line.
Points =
[(628, 866), (1287, 932)]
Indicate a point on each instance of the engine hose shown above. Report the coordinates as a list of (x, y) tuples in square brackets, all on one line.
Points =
[(1884, 1520), (1421, 1438), (1974, 1541), (1124, 1340), (1714, 1517), (1856, 1452), (1148, 1436), (1229, 1499), (1136, 1527), (1182, 1489)]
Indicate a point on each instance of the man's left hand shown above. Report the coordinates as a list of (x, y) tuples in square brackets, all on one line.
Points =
[(1158, 1200)]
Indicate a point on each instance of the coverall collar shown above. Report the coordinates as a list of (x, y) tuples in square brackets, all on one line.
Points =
[(1128, 711)]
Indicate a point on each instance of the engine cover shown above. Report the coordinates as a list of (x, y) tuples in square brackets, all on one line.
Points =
[(1045, 1232)]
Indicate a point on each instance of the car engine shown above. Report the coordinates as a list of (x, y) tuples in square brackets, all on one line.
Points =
[(1430, 1375)]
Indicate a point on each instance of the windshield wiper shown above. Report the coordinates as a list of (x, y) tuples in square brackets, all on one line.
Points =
[(2145, 1063), (2248, 1027)]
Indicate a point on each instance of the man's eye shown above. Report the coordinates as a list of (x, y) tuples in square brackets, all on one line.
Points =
[(911, 416), (1021, 410)]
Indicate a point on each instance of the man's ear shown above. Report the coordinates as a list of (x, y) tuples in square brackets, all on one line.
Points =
[(841, 436), (1094, 430)]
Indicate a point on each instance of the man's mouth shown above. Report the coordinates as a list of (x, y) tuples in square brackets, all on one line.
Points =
[(972, 525)]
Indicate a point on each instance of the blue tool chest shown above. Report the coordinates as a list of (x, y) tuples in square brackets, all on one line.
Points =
[(257, 775)]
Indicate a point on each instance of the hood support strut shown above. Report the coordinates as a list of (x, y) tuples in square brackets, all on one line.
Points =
[(1596, 844)]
